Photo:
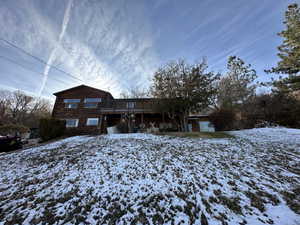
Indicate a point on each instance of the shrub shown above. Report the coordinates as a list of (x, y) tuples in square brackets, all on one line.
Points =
[(13, 129), (74, 131), (284, 110), (275, 108), (223, 119), (51, 128), (122, 127)]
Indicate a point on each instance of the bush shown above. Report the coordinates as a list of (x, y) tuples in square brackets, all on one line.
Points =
[(275, 108), (51, 128), (284, 110), (223, 119), (13, 129), (74, 131), (122, 127)]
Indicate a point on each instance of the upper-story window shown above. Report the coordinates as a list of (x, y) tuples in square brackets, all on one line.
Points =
[(130, 105), (71, 103), (91, 102)]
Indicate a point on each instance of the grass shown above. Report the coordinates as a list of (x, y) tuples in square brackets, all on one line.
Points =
[(198, 134), (99, 180)]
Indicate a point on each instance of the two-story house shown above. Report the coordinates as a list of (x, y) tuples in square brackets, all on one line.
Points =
[(91, 110)]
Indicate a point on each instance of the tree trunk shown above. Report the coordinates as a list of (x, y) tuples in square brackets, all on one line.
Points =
[(181, 125), (185, 121)]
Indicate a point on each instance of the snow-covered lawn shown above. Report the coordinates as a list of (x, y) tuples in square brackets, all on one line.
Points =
[(253, 178)]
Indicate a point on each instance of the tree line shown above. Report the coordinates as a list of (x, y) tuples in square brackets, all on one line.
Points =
[(19, 111), (232, 97), (185, 88)]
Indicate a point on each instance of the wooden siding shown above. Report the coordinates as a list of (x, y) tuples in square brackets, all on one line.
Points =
[(107, 106)]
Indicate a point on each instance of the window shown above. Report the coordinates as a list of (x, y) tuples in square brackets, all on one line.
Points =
[(71, 122), (130, 105), (92, 122), (71, 103), (91, 102), (71, 100), (90, 105), (87, 100)]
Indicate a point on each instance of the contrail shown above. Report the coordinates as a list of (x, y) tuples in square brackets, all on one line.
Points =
[(53, 52)]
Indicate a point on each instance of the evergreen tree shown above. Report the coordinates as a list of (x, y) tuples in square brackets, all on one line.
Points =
[(289, 52)]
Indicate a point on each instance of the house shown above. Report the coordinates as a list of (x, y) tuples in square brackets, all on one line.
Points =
[(91, 110)]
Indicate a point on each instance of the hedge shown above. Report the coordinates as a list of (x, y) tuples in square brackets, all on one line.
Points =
[(13, 129), (51, 128)]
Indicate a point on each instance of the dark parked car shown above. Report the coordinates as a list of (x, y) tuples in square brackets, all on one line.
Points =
[(9, 143)]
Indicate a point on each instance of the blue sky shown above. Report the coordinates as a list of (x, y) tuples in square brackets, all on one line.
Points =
[(117, 45)]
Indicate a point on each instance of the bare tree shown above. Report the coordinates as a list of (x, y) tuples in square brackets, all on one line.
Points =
[(20, 108), (237, 86), (135, 92), (5, 105)]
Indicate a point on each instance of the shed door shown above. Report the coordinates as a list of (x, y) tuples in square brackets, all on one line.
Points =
[(190, 127), (206, 126)]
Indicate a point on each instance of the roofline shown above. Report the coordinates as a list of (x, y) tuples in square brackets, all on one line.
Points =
[(147, 98), (134, 99), (82, 85), (197, 116)]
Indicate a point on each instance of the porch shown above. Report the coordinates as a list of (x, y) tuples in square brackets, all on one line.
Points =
[(133, 122)]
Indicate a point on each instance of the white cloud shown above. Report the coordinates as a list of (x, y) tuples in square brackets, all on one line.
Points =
[(117, 45), (107, 45)]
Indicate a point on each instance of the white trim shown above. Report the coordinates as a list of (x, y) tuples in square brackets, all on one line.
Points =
[(72, 100), (69, 105), (93, 107), (92, 119), (76, 123), (92, 100)]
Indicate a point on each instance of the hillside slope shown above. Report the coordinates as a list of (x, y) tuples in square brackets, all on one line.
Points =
[(253, 178)]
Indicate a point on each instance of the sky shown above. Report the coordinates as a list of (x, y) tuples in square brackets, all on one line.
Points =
[(117, 45)]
